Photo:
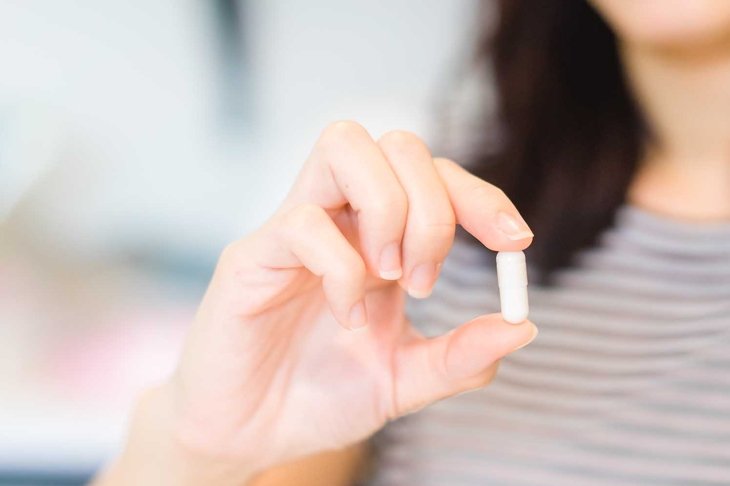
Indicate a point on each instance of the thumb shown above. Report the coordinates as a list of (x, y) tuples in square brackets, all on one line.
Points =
[(428, 370)]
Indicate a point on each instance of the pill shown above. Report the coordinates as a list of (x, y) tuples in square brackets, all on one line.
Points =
[(512, 280)]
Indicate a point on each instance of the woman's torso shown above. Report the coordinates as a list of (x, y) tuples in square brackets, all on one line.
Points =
[(627, 383)]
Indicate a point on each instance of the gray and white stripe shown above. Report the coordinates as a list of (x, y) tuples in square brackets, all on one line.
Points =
[(627, 383)]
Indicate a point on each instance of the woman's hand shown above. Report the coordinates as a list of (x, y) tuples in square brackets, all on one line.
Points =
[(301, 343)]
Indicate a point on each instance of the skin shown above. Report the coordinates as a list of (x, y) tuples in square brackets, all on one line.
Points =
[(673, 26), (270, 361), (301, 344), (677, 58)]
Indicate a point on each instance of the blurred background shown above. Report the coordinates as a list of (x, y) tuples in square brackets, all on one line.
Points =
[(137, 138)]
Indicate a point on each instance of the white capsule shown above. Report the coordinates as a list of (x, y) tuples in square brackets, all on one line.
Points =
[(512, 278)]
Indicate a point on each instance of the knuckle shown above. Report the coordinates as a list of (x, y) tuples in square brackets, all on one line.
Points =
[(498, 192), (489, 374), (233, 254), (389, 204), (436, 229), (485, 190), (485, 378), (302, 218), (435, 215), (402, 140), (441, 230), (341, 131), (440, 162), (338, 139), (348, 269), (445, 161), (353, 267)]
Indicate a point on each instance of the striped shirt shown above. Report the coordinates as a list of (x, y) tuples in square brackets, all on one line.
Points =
[(628, 382)]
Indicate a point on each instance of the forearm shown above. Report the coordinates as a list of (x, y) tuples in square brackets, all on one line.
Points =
[(155, 456), (342, 467)]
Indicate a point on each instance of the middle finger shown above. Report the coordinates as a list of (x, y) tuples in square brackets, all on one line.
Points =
[(430, 225)]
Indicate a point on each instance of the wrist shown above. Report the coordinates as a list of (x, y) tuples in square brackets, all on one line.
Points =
[(156, 454)]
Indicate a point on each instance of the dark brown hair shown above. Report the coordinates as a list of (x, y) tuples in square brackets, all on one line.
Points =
[(572, 134)]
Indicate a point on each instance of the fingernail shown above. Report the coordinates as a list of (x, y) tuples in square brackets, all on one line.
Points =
[(513, 227), (421, 280), (534, 335), (358, 315), (390, 267)]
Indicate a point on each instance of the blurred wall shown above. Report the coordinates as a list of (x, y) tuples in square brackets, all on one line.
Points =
[(114, 136), (126, 95)]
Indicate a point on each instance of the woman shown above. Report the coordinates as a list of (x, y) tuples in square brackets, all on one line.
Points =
[(614, 139)]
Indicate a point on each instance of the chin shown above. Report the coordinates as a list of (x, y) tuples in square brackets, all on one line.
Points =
[(668, 24)]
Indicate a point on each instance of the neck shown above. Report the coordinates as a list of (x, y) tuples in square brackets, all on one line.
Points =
[(685, 99)]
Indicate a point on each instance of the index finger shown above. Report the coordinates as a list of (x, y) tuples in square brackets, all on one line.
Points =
[(483, 209)]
